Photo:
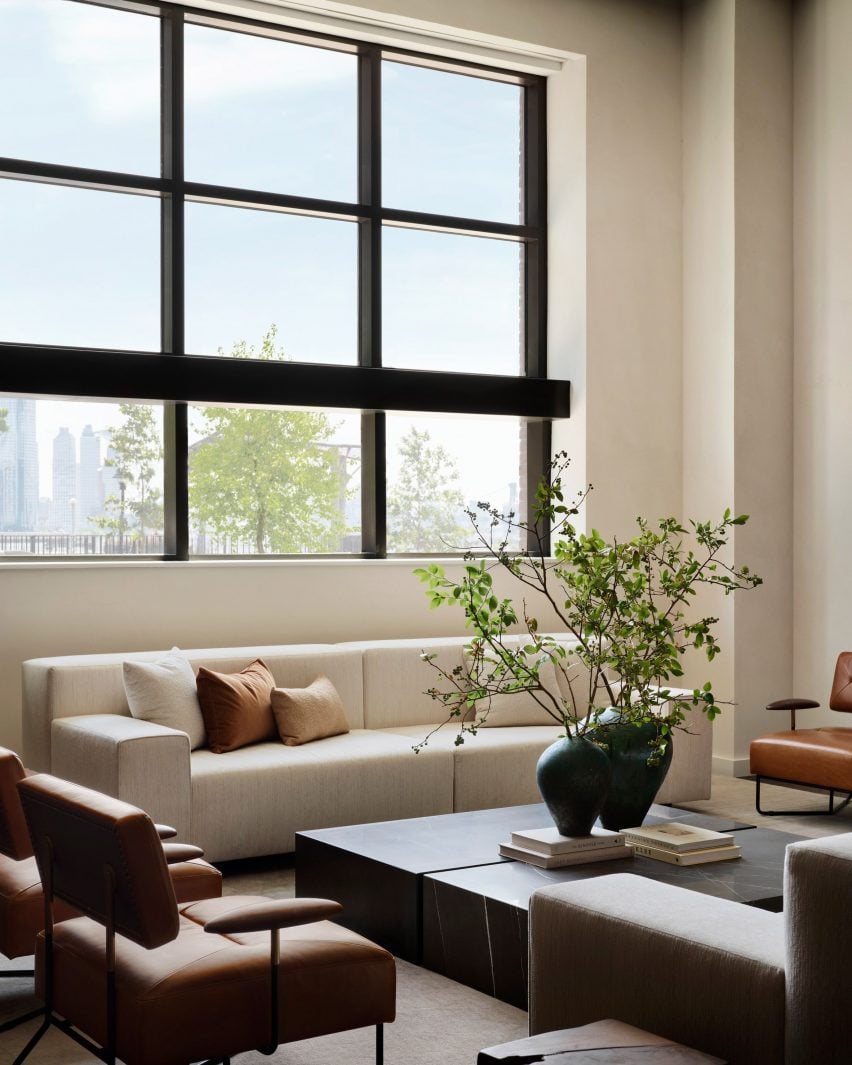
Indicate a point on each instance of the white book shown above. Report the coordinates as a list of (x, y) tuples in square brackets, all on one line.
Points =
[(673, 836), (714, 854), (548, 841), (559, 861)]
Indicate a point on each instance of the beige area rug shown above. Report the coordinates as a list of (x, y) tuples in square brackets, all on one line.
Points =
[(438, 1022)]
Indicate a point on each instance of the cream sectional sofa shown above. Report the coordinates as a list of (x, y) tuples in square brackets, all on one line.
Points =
[(252, 801)]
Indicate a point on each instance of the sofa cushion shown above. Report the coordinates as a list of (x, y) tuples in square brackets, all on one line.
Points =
[(494, 768), (164, 693), (306, 714), (343, 780), (236, 706), (516, 708)]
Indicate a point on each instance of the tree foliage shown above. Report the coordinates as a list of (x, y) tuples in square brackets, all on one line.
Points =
[(4, 424), (424, 501), (136, 453), (268, 477)]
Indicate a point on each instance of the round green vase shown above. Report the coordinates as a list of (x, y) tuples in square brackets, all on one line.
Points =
[(573, 776), (638, 770)]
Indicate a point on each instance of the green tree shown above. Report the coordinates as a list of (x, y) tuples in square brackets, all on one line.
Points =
[(4, 425), (425, 500), (268, 476), (137, 451)]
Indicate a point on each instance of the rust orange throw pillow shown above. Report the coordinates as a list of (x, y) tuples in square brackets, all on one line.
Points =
[(236, 707)]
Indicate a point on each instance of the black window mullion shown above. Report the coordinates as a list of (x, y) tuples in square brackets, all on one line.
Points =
[(175, 421), (373, 457)]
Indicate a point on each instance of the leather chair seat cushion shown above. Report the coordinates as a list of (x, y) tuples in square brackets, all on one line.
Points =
[(195, 880), (205, 995), (820, 756), (22, 907)]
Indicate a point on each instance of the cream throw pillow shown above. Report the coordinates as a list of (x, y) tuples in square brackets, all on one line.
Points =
[(312, 713), (164, 693)]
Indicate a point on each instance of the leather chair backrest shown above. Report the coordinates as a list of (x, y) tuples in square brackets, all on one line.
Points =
[(88, 832), (841, 689), (14, 834)]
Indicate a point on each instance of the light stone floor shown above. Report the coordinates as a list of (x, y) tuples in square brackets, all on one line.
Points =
[(438, 1022)]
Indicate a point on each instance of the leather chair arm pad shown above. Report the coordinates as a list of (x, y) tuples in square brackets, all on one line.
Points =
[(181, 852), (277, 913), (792, 704), (166, 831)]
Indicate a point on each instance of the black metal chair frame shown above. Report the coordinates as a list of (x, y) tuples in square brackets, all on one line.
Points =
[(107, 1054), (832, 809)]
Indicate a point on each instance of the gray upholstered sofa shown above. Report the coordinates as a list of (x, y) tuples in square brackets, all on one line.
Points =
[(252, 801), (752, 987)]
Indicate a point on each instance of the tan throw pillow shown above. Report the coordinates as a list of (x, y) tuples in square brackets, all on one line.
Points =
[(236, 707), (312, 713)]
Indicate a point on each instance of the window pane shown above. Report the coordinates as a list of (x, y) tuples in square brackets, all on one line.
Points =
[(440, 465), (249, 270), (274, 481), (265, 114), (451, 144), (80, 478), (80, 85), (79, 267), (451, 302)]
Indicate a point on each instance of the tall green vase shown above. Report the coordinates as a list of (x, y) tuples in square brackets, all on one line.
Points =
[(638, 771), (573, 776)]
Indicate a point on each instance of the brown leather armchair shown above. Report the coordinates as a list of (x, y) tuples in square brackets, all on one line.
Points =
[(816, 757), (21, 897), (168, 985)]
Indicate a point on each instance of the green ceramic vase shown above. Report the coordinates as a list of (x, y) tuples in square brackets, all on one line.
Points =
[(573, 776), (637, 772)]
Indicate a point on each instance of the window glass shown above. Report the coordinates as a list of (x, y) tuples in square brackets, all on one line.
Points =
[(451, 143), (80, 478), (249, 270), (451, 302), (438, 467), (80, 85), (267, 114), (79, 267), (273, 481)]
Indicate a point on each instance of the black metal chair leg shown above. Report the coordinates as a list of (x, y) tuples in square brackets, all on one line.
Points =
[(380, 1044), (832, 809), (28, 1049)]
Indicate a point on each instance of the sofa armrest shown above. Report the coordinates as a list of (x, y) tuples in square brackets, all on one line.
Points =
[(702, 971), (140, 763)]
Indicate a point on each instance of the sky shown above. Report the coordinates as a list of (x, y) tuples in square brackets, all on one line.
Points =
[(79, 85)]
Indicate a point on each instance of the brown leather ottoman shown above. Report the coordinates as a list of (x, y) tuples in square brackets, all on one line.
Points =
[(601, 1043)]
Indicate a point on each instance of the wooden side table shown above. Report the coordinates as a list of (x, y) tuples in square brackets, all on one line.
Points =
[(601, 1043)]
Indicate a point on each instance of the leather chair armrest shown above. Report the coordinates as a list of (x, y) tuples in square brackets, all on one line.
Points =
[(792, 705), (166, 831), (181, 852), (277, 913)]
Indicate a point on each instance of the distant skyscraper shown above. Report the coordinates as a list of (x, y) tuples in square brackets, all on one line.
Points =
[(64, 481), (89, 501), (19, 466)]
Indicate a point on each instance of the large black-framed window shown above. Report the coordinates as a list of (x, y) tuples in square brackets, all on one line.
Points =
[(179, 378)]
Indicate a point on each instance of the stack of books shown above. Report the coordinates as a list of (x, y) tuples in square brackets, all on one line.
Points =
[(681, 844), (547, 849)]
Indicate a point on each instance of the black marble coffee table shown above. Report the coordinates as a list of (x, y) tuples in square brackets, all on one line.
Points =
[(377, 870), (475, 920)]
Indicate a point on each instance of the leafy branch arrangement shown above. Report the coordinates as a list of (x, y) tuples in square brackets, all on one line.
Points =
[(623, 606)]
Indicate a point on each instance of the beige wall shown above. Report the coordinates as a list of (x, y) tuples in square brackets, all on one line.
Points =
[(823, 332), (621, 349)]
